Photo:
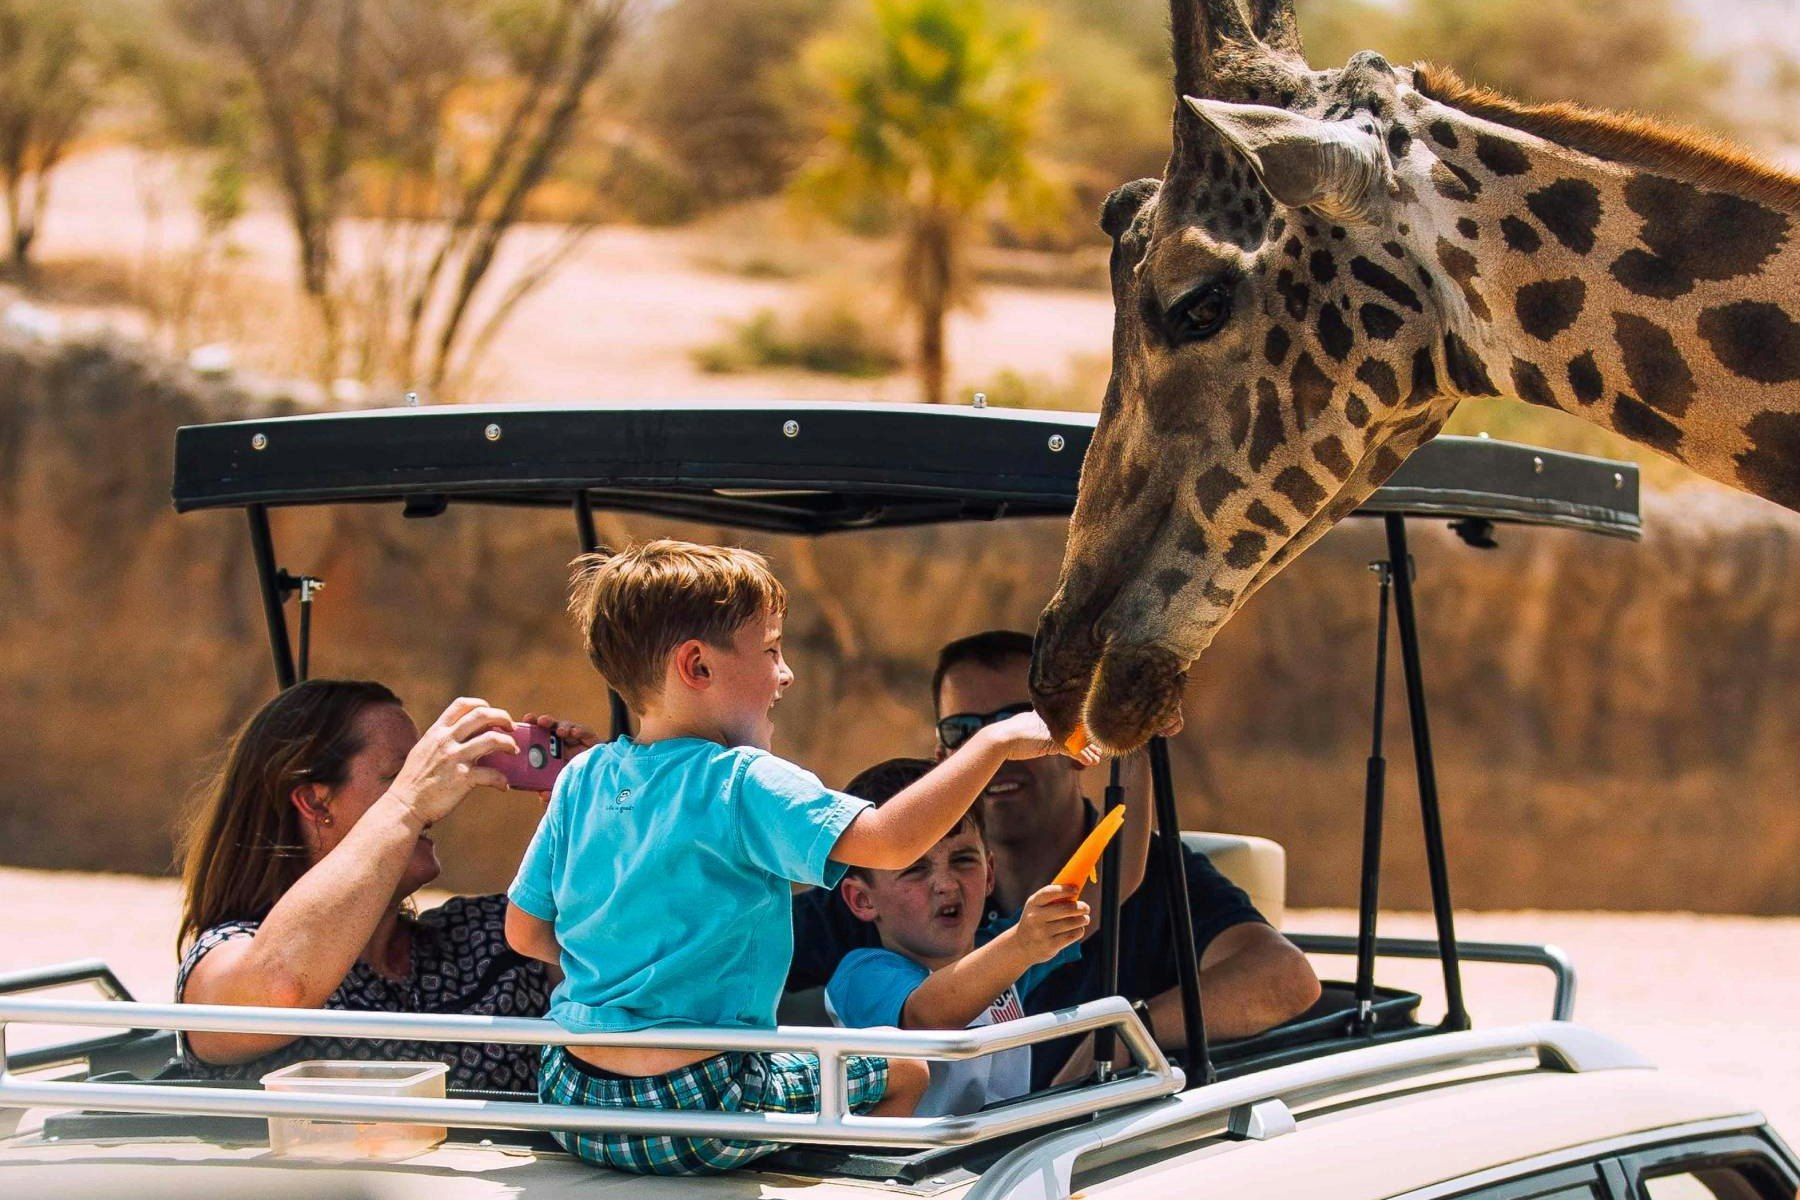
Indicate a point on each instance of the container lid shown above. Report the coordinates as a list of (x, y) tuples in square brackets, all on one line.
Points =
[(324, 1074)]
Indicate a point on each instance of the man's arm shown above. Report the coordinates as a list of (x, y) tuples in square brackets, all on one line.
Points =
[(1251, 978)]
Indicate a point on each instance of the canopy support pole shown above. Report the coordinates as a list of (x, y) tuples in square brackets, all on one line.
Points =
[(1374, 801), (268, 578), (590, 544), (1198, 1057), (1456, 1015), (1110, 866)]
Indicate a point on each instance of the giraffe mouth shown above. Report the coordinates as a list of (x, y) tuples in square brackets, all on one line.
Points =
[(1120, 696)]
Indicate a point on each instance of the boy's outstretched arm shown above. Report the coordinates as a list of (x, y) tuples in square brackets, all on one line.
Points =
[(953, 996), (532, 936), (892, 837)]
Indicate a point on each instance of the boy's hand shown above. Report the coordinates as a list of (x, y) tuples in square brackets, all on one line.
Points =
[(1026, 736), (1053, 918)]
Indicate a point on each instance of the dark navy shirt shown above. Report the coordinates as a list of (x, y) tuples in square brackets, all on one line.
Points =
[(825, 930)]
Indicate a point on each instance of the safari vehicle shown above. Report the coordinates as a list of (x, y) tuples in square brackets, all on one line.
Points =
[(1360, 1097)]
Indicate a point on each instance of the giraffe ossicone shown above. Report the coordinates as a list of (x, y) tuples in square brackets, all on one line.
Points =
[(1330, 263)]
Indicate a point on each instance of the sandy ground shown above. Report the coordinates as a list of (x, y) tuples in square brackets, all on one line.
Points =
[(618, 320), (1708, 997)]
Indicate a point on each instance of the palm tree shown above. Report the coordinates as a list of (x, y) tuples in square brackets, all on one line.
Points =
[(929, 116)]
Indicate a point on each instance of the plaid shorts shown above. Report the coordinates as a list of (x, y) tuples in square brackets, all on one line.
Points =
[(730, 1082)]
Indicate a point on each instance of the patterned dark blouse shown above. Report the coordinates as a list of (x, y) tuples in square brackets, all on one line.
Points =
[(460, 964)]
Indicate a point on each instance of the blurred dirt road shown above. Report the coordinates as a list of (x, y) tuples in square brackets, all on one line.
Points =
[(1710, 998)]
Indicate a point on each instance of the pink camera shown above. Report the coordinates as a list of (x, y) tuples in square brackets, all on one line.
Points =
[(541, 757)]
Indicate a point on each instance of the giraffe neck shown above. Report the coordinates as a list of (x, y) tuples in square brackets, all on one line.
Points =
[(1660, 308)]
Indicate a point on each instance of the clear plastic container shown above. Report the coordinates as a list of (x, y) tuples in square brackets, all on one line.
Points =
[(369, 1080)]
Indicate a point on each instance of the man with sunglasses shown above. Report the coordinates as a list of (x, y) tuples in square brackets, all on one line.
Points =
[(1036, 815)]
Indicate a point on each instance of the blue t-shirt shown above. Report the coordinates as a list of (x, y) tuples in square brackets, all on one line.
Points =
[(870, 988), (664, 869)]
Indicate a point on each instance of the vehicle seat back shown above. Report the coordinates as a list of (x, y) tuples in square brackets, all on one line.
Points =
[(1256, 864)]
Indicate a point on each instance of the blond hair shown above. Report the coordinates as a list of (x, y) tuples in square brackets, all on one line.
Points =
[(636, 606)]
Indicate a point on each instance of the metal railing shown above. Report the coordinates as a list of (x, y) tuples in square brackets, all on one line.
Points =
[(1552, 958), (834, 1123)]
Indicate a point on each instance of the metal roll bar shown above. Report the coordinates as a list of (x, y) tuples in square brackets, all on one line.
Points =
[(834, 1123)]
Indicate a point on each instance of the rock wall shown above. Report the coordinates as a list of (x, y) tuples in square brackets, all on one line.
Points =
[(1616, 724)]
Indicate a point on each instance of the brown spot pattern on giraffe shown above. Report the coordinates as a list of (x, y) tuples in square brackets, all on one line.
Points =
[(1374, 275), (1754, 339), (1213, 487), (1262, 515), (1530, 385), (1246, 549), (1329, 453), (1169, 581), (1570, 210), (1771, 466), (1300, 488), (1461, 266), (1379, 321), (1454, 183), (1640, 422), (1265, 430), (1312, 390), (1694, 235), (1444, 134), (1468, 374), (1357, 410), (1294, 293), (1653, 364), (1378, 377), (1424, 379), (1193, 541), (1468, 228), (1520, 236), (1334, 335), (1500, 156), (1585, 378), (1322, 266), (1549, 306), (1240, 415), (1276, 344)]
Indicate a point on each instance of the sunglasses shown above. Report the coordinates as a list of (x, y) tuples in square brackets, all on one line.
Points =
[(958, 728)]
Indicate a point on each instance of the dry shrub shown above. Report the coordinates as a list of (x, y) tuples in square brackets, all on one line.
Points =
[(833, 333)]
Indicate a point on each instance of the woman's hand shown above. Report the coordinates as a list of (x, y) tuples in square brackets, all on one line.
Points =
[(441, 769), (578, 736)]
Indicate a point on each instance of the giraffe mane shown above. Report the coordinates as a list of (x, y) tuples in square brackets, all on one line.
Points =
[(1678, 151)]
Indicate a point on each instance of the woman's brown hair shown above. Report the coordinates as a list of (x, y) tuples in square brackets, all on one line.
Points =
[(241, 848)]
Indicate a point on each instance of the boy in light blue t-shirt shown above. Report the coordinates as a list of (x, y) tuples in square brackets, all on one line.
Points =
[(659, 878)]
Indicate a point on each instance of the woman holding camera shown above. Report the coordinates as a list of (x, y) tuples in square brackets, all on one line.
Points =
[(299, 868)]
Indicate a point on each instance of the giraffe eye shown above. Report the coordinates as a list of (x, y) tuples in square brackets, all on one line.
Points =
[(1199, 314)]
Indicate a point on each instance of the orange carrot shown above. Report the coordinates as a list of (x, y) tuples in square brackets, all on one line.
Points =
[(1079, 740), (1081, 865)]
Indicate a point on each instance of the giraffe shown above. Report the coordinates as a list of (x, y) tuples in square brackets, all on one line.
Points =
[(1334, 259)]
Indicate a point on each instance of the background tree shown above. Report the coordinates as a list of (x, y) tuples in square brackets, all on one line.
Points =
[(54, 59), (434, 121), (929, 113)]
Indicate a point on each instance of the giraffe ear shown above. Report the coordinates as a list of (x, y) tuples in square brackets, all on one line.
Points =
[(1339, 168)]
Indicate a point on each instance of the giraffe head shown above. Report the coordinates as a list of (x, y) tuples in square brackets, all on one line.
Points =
[(1288, 325)]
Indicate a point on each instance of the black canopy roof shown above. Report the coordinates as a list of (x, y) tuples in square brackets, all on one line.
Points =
[(795, 467)]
